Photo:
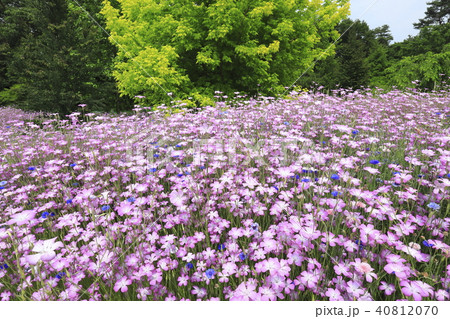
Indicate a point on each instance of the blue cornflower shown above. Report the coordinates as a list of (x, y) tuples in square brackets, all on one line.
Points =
[(131, 199), (189, 265), (286, 123), (242, 256), (45, 215), (152, 170), (275, 187), (448, 175), (438, 113), (433, 206), (395, 184), (210, 273), (360, 243), (60, 275), (105, 207), (8, 126), (75, 184), (305, 180), (4, 266), (334, 193), (354, 132), (3, 183), (31, 168), (374, 162), (73, 165), (397, 173), (156, 155), (427, 244), (179, 175), (335, 177), (367, 148), (221, 247), (178, 145), (202, 167), (255, 226), (52, 214), (69, 201), (379, 180), (420, 175), (2, 187)]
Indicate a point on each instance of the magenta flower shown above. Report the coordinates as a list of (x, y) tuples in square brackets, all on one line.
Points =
[(411, 289), (122, 284), (45, 251), (398, 269)]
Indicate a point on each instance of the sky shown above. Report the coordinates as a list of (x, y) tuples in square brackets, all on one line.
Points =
[(399, 15)]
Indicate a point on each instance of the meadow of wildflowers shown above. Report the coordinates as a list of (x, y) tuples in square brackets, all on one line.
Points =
[(310, 198)]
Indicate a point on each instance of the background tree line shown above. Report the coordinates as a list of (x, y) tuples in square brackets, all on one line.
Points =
[(53, 57)]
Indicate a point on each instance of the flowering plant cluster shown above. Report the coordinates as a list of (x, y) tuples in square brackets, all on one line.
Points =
[(342, 197)]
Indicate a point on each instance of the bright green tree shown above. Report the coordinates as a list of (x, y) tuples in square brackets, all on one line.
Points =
[(430, 69), (424, 57), (192, 48)]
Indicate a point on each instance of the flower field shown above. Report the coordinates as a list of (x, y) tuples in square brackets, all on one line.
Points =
[(314, 197)]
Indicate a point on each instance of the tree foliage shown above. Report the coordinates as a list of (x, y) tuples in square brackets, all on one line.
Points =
[(438, 13), (360, 60), (56, 59), (194, 48)]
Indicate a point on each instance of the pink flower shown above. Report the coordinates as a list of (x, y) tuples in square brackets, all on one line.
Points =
[(183, 280), (400, 270), (334, 295), (45, 251), (122, 284), (177, 198), (22, 218), (441, 295), (411, 289), (125, 208), (364, 269), (245, 292), (354, 289), (388, 288), (309, 279), (372, 170), (342, 268)]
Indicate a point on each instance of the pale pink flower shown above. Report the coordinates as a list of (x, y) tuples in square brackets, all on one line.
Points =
[(45, 251), (177, 198), (22, 218), (245, 292), (364, 269)]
